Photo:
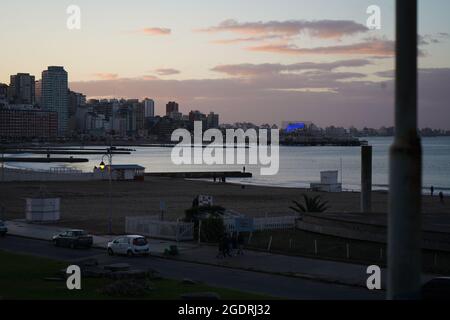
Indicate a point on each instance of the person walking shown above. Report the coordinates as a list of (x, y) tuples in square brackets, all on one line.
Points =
[(234, 242), (228, 245), (441, 197), (240, 240), (222, 245), (432, 190)]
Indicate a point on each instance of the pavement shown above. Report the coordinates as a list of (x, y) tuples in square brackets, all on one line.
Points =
[(256, 261), (270, 285)]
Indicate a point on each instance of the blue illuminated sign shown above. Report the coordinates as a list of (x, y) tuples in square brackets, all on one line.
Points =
[(295, 126)]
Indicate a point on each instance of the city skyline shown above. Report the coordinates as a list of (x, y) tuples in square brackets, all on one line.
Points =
[(267, 64)]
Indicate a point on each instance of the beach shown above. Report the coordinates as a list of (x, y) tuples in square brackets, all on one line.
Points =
[(85, 204)]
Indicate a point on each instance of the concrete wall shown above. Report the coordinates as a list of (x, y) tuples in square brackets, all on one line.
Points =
[(365, 231)]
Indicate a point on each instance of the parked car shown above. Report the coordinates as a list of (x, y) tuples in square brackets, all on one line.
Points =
[(3, 229), (437, 289), (129, 245), (73, 239)]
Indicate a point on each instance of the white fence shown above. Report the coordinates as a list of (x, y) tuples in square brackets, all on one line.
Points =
[(266, 223), (154, 228), (7, 174)]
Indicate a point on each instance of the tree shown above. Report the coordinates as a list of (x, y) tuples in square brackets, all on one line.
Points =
[(311, 204)]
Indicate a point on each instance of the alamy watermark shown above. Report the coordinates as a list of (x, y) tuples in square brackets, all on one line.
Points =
[(239, 147), (74, 19), (374, 20), (374, 280), (73, 281)]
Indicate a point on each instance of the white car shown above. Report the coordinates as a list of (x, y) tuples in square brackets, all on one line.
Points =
[(129, 245)]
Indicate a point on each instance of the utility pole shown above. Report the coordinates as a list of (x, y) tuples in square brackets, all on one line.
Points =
[(366, 179), (110, 187), (405, 174)]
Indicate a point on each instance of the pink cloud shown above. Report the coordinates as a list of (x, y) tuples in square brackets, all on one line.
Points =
[(371, 47), (324, 29), (156, 31), (167, 71), (106, 76)]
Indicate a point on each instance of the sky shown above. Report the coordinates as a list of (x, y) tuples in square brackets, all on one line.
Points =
[(263, 61)]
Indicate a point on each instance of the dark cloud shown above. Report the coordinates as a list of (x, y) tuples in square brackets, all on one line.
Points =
[(248, 69), (317, 95), (323, 29)]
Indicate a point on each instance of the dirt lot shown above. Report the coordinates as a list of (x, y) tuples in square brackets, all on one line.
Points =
[(86, 204)]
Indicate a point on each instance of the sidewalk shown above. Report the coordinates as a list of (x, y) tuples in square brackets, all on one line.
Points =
[(321, 270)]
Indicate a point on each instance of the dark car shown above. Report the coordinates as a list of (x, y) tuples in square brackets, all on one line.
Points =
[(3, 229), (73, 239)]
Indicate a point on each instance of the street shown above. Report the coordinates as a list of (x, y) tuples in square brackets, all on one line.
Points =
[(256, 282)]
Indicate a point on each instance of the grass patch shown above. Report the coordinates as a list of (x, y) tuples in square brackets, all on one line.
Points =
[(23, 277)]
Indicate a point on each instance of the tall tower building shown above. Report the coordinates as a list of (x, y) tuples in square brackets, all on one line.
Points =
[(54, 95), (171, 107), (21, 89), (149, 108)]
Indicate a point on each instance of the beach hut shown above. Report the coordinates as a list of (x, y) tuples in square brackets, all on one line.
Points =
[(121, 172), (328, 182)]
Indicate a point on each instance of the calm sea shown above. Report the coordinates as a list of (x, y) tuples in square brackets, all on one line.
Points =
[(300, 166)]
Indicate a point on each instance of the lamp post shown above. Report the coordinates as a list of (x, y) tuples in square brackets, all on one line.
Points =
[(102, 167)]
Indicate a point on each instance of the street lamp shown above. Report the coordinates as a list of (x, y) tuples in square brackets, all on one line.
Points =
[(102, 167)]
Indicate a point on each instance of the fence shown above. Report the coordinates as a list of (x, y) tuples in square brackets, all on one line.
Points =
[(266, 223), (154, 228), (274, 223)]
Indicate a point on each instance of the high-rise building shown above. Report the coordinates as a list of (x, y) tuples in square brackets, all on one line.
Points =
[(27, 122), (171, 107), (3, 92), (21, 89), (54, 95), (212, 120), (38, 92), (75, 100), (149, 108)]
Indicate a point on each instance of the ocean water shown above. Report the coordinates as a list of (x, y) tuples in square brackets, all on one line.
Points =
[(299, 166)]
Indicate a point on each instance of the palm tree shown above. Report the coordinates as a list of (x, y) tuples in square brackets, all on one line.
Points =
[(311, 204)]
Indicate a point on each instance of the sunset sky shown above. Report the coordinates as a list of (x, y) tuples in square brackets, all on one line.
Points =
[(262, 61)]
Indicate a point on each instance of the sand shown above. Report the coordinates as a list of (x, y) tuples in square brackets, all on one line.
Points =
[(86, 204)]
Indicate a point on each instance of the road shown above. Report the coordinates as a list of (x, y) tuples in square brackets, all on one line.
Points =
[(256, 282)]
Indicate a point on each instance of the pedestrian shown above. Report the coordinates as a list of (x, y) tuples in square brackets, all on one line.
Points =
[(441, 197), (432, 190), (240, 241), (228, 245), (234, 242), (221, 253)]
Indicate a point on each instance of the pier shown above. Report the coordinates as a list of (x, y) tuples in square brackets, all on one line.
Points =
[(221, 175)]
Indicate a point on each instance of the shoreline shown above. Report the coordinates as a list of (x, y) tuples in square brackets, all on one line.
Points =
[(375, 187)]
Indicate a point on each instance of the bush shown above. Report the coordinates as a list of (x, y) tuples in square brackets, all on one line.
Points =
[(213, 230)]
